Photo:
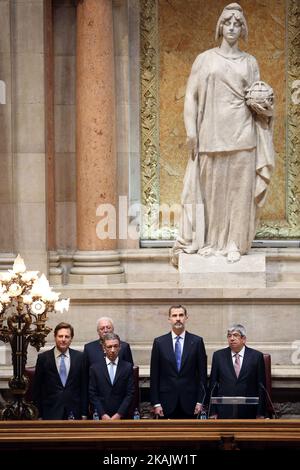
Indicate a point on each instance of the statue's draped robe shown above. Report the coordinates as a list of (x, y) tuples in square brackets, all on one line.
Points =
[(227, 180)]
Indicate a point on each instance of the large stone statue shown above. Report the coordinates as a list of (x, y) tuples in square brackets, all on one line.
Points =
[(228, 120)]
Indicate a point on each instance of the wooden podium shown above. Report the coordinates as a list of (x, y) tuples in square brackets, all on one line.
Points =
[(147, 435)]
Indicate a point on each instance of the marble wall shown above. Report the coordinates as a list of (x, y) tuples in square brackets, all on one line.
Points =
[(22, 120), (6, 158), (127, 81), (271, 318), (126, 49), (64, 30)]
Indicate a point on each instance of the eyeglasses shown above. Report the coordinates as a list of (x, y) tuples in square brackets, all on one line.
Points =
[(235, 335)]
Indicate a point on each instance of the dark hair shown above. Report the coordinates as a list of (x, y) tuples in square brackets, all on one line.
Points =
[(177, 306), (65, 325), (110, 336)]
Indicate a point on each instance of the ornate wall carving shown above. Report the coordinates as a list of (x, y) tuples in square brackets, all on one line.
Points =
[(149, 114), (290, 227)]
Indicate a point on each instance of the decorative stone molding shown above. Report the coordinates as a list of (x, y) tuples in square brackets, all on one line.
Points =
[(55, 269), (7, 261), (96, 267)]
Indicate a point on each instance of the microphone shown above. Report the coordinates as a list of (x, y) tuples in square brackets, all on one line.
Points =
[(203, 400), (210, 396), (269, 399)]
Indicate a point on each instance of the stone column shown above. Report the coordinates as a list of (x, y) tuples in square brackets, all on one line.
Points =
[(127, 62), (7, 247), (96, 259)]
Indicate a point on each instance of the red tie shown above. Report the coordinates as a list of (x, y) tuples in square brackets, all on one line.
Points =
[(237, 364)]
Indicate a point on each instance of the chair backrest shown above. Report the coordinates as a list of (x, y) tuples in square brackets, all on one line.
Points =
[(29, 373), (267, 359)]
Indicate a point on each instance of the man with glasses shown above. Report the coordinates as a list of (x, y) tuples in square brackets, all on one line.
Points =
[(238, 371)]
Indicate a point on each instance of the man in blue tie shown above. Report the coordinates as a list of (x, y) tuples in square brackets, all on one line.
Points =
[(59, 387), (178, 371), (111, 385)]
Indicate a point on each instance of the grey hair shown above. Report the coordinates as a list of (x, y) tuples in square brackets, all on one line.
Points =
[(230, 10), (237, 327), (110, 336), (105, 318)]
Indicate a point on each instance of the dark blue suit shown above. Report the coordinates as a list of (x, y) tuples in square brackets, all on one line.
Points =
[(225, 382), (53, 400), (171, 388), (107, 398)]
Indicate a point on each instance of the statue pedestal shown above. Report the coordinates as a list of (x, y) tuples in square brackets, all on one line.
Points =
[(215, 271)]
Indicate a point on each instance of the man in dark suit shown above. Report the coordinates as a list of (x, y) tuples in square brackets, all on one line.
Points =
[(111, 385), (93, 351), (178, 372), (59, 388), (238, 371)]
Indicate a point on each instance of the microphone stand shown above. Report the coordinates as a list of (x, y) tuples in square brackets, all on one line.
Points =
[(209, 405)]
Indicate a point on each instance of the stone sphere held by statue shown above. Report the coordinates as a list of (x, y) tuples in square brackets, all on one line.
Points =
[(259, 92)]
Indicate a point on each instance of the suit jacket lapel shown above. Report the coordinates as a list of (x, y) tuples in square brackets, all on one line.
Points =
[(52, 364), (188, 342), (170, 350), (118, 371), (72, 366), (104, 369), (245, 362)]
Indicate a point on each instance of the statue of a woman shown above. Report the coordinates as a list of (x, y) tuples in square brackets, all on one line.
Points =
[(228, 121)]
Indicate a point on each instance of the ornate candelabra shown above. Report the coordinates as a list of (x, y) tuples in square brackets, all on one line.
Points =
[(25, 301)]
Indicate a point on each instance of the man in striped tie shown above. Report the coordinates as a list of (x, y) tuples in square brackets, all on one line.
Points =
[(238, 371)]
